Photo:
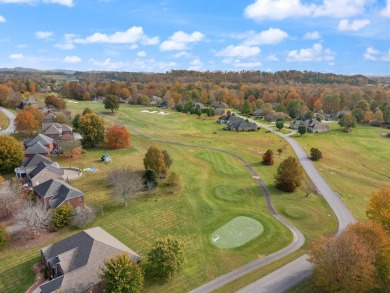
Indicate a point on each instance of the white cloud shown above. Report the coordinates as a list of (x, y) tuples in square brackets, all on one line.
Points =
[(133, 35), (43, 35), (282, 9), (239, 64), (22, 46), (241, 51), (68, 3), (133, 47), (65, 46), (316, 53), (182, 54), (195, 65), (356, 25), (2, 19), (386, 11), (272, 58), (269, 37), (141, 54), (277, 9), (312, 36), (150, 65), (372, 54), (179, 41), (72, 59), (16, 56)]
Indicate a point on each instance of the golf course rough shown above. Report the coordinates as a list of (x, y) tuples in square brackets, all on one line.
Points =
[(236, 232)]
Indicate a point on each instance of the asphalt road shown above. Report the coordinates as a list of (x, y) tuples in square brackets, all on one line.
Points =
[(11, 127), (298, 270)]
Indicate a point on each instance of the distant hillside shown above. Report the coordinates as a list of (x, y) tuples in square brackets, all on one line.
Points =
[(217, 77)]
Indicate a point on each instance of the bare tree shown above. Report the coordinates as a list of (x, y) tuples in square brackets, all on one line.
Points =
[(82, 216), (33, 215), (9, 194), (126, 183)]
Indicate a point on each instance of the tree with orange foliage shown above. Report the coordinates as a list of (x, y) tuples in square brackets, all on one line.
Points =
[(5, 91), (36, 113), (342, 264), (379, 207), (117, 137), (25, 123)]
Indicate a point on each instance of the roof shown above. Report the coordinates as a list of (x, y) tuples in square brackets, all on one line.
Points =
[(81, 256), (35, 160), (59, 190), (43, 139), (42, 166), (37, 148), (30, 101), (53, 130), (66, 127)]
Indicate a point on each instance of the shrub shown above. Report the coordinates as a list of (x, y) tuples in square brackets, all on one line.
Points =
[(61, 217), (315, 154), (268, 158), (150, 179), (82, 216), (173, 179)]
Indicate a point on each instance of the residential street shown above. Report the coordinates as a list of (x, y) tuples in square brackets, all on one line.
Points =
[(11, 117)]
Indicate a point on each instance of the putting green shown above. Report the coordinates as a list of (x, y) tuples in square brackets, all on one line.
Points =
[(230, 193), (237, 232)]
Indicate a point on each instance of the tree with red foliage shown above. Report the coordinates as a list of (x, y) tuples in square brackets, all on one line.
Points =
[(117, 137)]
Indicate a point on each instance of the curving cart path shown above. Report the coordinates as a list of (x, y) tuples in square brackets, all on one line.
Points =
[(298, 238), (11, 128)]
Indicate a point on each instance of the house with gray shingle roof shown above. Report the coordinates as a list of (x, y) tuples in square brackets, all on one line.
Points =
[(55, 192), (43, 172), (30, 163), (74, 263), (37, 148)]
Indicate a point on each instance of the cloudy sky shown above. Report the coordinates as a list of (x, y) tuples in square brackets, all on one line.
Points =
[(340, 36)]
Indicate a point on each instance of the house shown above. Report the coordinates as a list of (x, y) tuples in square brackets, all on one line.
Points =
[(316, 126), (49, 118), (30, 163), (42, 139), (258, 113), (219, 104), (241, 125), (55, 192), (313, 125), (58, 131), (295, 124), (163, 104), (274, 116), (29, 102), (35, 149), (154, 101), (219, 111), (225, 119), (43, 172), (74, 263), (199, 105)]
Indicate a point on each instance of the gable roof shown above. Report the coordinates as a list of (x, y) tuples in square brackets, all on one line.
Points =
[(30, 101), (59, 190), (44, 166), (35, 160), (66, 127), (52, 130), (81, 256), (43, 139), (36, 148)]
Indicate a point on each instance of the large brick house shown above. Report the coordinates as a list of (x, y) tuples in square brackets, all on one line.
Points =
[(74, 263), (55, 193)]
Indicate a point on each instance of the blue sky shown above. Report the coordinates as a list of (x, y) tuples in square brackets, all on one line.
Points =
[(340, 36)]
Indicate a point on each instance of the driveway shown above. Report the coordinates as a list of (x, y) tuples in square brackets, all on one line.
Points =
[(11, 116)]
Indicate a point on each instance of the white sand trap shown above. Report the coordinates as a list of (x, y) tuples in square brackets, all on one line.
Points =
[(154, 112)]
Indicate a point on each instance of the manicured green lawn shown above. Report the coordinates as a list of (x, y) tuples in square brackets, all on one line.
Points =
[(4, 121), (203, 203)]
